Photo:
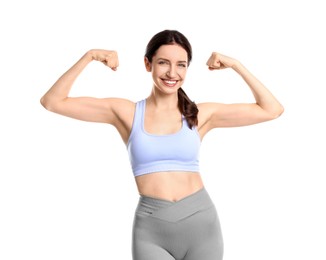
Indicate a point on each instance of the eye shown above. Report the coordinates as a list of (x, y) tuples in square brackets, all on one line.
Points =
[(182, 65), (162, 62)]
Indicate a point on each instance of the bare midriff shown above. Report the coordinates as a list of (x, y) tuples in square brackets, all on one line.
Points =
[(171, 186)]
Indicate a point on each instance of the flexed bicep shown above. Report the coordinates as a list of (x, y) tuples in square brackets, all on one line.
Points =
[(57, 98)]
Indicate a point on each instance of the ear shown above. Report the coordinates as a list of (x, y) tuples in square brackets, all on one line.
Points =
[(148, 65)]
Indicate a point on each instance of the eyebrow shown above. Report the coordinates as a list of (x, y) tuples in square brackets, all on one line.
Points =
[(181, 61)]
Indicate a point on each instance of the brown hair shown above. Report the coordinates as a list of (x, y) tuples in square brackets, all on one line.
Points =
[(187, 107)]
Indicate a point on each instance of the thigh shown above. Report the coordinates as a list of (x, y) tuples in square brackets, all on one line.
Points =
[(150, 251), (147, 242), (207, 244)]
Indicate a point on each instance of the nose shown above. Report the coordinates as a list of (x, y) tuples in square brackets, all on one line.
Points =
[(172, 72)]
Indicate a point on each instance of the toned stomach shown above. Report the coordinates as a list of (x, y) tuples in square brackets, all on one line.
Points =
[(171, 186)]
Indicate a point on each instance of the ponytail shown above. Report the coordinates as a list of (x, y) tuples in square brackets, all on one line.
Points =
[(187, 108)]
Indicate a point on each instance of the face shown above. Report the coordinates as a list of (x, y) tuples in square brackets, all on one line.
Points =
[(169, 67)]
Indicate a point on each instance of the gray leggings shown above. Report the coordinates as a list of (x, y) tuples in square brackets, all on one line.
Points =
[(188, 229)]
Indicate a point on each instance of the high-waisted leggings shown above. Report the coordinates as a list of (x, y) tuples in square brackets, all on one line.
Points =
[(188, 229)]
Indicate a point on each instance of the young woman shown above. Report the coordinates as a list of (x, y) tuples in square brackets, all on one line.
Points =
[(175, 217)]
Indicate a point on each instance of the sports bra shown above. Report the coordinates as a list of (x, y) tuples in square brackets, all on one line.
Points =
[(149, 153)]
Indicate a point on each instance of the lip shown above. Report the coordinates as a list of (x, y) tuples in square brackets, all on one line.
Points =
[(170, 82)]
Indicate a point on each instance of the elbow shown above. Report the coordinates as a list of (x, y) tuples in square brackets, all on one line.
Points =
[(47, 103), (281, 111), (42, 101), (277, 112)]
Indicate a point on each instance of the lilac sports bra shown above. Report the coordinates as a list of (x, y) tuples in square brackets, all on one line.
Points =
[(150, 153)]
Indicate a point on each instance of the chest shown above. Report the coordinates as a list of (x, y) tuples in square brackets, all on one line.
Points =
[(162, 123)]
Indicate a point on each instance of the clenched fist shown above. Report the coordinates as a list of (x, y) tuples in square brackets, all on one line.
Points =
[(218, 61), (108, 58)]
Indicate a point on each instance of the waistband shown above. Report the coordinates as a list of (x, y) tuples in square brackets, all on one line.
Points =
[(174, 211)]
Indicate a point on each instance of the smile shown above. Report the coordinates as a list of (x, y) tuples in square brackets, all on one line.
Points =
[(170, 83)]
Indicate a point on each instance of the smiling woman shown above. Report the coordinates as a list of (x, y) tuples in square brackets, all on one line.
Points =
[(163, 135)]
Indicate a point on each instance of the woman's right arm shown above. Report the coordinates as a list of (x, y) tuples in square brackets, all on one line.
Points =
[(113, 111)]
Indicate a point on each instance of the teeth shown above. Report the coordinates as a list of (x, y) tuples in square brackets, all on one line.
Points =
[(170, 82)]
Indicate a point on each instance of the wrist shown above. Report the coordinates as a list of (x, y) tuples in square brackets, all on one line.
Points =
[(90, 55), (237, 66)]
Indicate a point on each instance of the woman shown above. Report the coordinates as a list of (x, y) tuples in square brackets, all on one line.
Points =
[(175, 217)]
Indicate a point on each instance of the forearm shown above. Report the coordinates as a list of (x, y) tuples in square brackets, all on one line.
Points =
[(61, 88), (264, 98)]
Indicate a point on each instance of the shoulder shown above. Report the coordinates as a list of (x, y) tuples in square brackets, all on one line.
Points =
[(123, 111), (122, 108), (208, 113), (120, 103), (208, 109)]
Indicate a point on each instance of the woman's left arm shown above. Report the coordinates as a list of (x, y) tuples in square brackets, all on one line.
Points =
[(266, 108)]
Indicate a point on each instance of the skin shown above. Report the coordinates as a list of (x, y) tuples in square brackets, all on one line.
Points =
[(168, 69)]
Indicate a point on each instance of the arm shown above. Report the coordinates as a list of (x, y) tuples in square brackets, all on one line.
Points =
[(266, 108), (103, 110), (56, 99)]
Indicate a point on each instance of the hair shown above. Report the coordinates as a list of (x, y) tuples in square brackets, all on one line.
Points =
[(187, 107)]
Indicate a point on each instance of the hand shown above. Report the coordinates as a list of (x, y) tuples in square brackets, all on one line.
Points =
[(218, 61), (108, 58)]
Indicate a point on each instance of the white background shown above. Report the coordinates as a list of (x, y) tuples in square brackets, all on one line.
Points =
[(66, 186)]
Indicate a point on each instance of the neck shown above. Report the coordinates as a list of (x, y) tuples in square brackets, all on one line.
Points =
[(163, 101)]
